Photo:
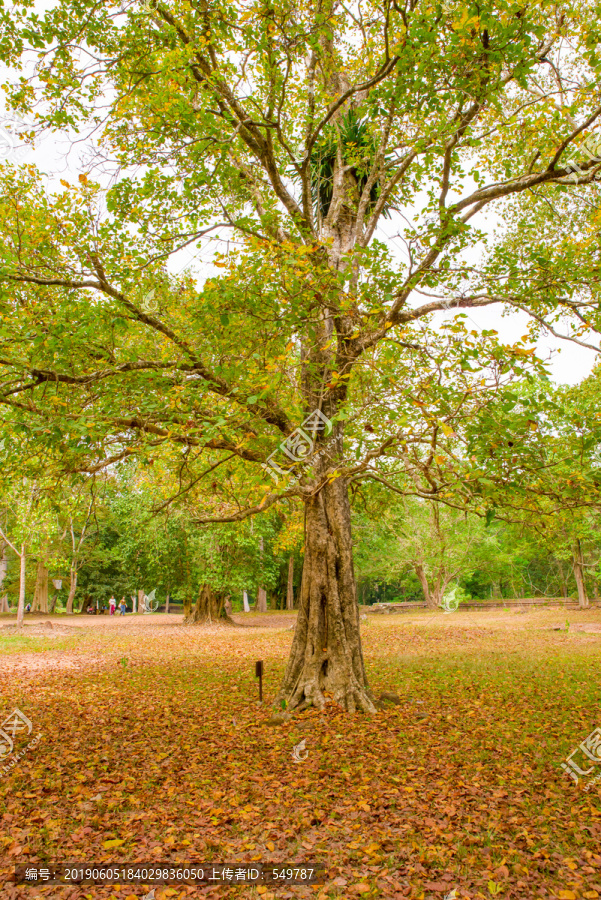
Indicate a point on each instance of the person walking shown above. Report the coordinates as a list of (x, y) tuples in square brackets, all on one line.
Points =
[(122, 606), (112, 606)]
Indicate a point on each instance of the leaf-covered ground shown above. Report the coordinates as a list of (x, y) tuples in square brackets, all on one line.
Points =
[(152, 737)]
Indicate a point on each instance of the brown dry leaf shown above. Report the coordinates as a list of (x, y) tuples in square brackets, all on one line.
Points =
[(366, 791)]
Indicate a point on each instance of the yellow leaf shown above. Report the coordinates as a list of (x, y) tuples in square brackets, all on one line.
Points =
[(567, 895), (270, 846), (108, 845)]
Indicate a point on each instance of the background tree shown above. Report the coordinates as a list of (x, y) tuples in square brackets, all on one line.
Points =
[(25, 513)]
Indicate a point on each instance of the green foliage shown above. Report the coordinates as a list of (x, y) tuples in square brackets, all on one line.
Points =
[(353, 137)]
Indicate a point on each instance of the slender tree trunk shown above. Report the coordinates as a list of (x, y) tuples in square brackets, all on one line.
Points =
[(428, 595), (564, 582), (262, 593), (578, 567), (210, 607), (167, 603), (21, 606), (53, 603), (72, 588), (290, 591), (326, 655), (3, 570), (35, 602), (140, 602)]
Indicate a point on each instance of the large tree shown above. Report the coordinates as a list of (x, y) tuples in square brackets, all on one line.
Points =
[(300, 127)]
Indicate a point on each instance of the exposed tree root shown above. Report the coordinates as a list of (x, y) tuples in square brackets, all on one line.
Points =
[(209, 609), (326, 660)]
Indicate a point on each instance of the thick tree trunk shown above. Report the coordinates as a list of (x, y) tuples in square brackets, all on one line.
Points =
[(141, 606), (40, 594), (290, 591), (437, 596), (429, 596), (245, 601), (578, 567), (326, 657), (72, 588), (209, 608), (21, 606)]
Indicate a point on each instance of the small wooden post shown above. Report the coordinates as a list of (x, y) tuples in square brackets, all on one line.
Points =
[(259, 675)]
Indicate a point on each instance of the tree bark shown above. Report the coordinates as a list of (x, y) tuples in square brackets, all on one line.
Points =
[(167, 603), (578, 567), (209, 608), (3, 570), (40, 594), (21, 606), (326, 656), (72, 588), (429, 597), (140, 602), (262, 593), (564, 581), (290, 591)]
